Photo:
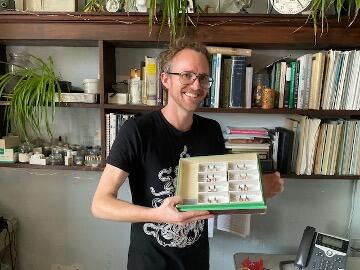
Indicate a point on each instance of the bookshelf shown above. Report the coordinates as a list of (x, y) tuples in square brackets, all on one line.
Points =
[(108, 32)]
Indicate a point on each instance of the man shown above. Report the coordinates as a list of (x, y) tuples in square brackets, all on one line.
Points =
[(147, 151)]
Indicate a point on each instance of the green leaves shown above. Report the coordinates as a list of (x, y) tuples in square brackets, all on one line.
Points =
[(173, 15), (320, 7), (94, 6), (32, 96)]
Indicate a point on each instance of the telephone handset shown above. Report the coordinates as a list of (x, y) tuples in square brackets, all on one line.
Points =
[(321, 251)]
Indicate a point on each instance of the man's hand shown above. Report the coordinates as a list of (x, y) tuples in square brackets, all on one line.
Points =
[(273, 184), (168, 213)]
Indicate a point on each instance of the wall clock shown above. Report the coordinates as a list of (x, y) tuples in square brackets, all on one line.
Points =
[(290, 6)]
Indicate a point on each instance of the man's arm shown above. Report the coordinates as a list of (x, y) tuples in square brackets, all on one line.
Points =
[(106, 205)]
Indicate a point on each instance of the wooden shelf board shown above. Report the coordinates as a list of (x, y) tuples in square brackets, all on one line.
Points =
[(122, 29), (86, 168), (64, 104), (50, 167), (314, 113), (321, 177)]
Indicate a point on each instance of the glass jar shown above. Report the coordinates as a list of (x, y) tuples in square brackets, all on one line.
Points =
[(18, 61), (25, 153), (79, 160), (56, 159), (260, 82)]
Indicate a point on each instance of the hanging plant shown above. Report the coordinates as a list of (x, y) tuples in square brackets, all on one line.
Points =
[(173, 16), (33, 96), (319, 8)]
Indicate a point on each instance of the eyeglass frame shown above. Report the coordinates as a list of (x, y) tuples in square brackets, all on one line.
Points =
[(196, 77)]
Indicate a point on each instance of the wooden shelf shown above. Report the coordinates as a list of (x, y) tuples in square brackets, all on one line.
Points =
[(321, 177), (312, 113), (64, 104), (86, 168), (109, 31), (122, 29), (50, 167)]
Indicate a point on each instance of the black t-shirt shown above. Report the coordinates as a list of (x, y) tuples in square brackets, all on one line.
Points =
[(148, 148)]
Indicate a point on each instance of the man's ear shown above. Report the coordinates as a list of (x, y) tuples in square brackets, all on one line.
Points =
[(165, 79)]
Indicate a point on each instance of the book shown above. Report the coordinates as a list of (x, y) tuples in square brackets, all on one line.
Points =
[(229, 51), (248, 86), (237, 82), (285, 149), (308, 72), (253, 146), (151, 80), (225, 82), (292, 84), (317, 72), (246, 130)]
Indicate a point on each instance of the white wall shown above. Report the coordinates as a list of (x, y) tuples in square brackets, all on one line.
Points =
[(55, 225), (52, 207)]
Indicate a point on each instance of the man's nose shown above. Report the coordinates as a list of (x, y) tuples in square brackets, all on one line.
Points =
[(196, 82)]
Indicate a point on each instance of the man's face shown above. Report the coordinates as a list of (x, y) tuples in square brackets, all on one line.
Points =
[(188, 96)]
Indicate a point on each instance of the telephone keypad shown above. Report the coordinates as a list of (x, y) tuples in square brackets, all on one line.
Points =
[(322, 260)]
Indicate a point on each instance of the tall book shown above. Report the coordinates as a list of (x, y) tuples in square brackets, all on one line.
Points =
[(248, 86), (308, 72), (293, 65), (151, 80), (285, 149), (217, 80), (341, 81), (317, 72), (225, 83), (237, 82)]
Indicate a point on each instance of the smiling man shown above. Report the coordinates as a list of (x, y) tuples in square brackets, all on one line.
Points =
[(147, 151)]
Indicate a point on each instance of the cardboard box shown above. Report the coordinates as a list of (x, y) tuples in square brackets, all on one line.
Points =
[(8, 155), (51, 5), (221, 184), (10, 141)]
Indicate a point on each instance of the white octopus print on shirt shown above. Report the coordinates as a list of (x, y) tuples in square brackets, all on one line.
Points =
[(171, 235)]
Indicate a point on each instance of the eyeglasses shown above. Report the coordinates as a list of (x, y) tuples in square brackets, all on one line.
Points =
[(187, 78)]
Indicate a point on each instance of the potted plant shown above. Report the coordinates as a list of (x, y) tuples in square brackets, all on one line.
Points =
[(36, 90)]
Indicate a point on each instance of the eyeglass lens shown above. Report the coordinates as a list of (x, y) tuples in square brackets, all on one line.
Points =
[(190, 77)]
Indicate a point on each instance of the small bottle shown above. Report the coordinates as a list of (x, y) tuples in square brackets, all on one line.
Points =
[(69, 158)]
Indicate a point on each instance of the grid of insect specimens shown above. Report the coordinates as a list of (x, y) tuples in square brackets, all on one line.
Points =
[(229, 182)]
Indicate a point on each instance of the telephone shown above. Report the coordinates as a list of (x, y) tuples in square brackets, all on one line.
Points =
[(319, 251)]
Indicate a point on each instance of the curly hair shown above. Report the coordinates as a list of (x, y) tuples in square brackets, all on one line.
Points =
[(176, 46)]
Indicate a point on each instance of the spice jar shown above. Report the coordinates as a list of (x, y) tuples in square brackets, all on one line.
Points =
[(268, 98)]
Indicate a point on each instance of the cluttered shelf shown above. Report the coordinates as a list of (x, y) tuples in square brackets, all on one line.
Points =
[(88, 168), (313, 113), (50, 167)]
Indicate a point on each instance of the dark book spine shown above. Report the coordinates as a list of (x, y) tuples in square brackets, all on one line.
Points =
[(285, 149), (296, 86), (287, 86), (237, 82)]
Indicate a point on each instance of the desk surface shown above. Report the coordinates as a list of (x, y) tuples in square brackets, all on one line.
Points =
[(272, 261)]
